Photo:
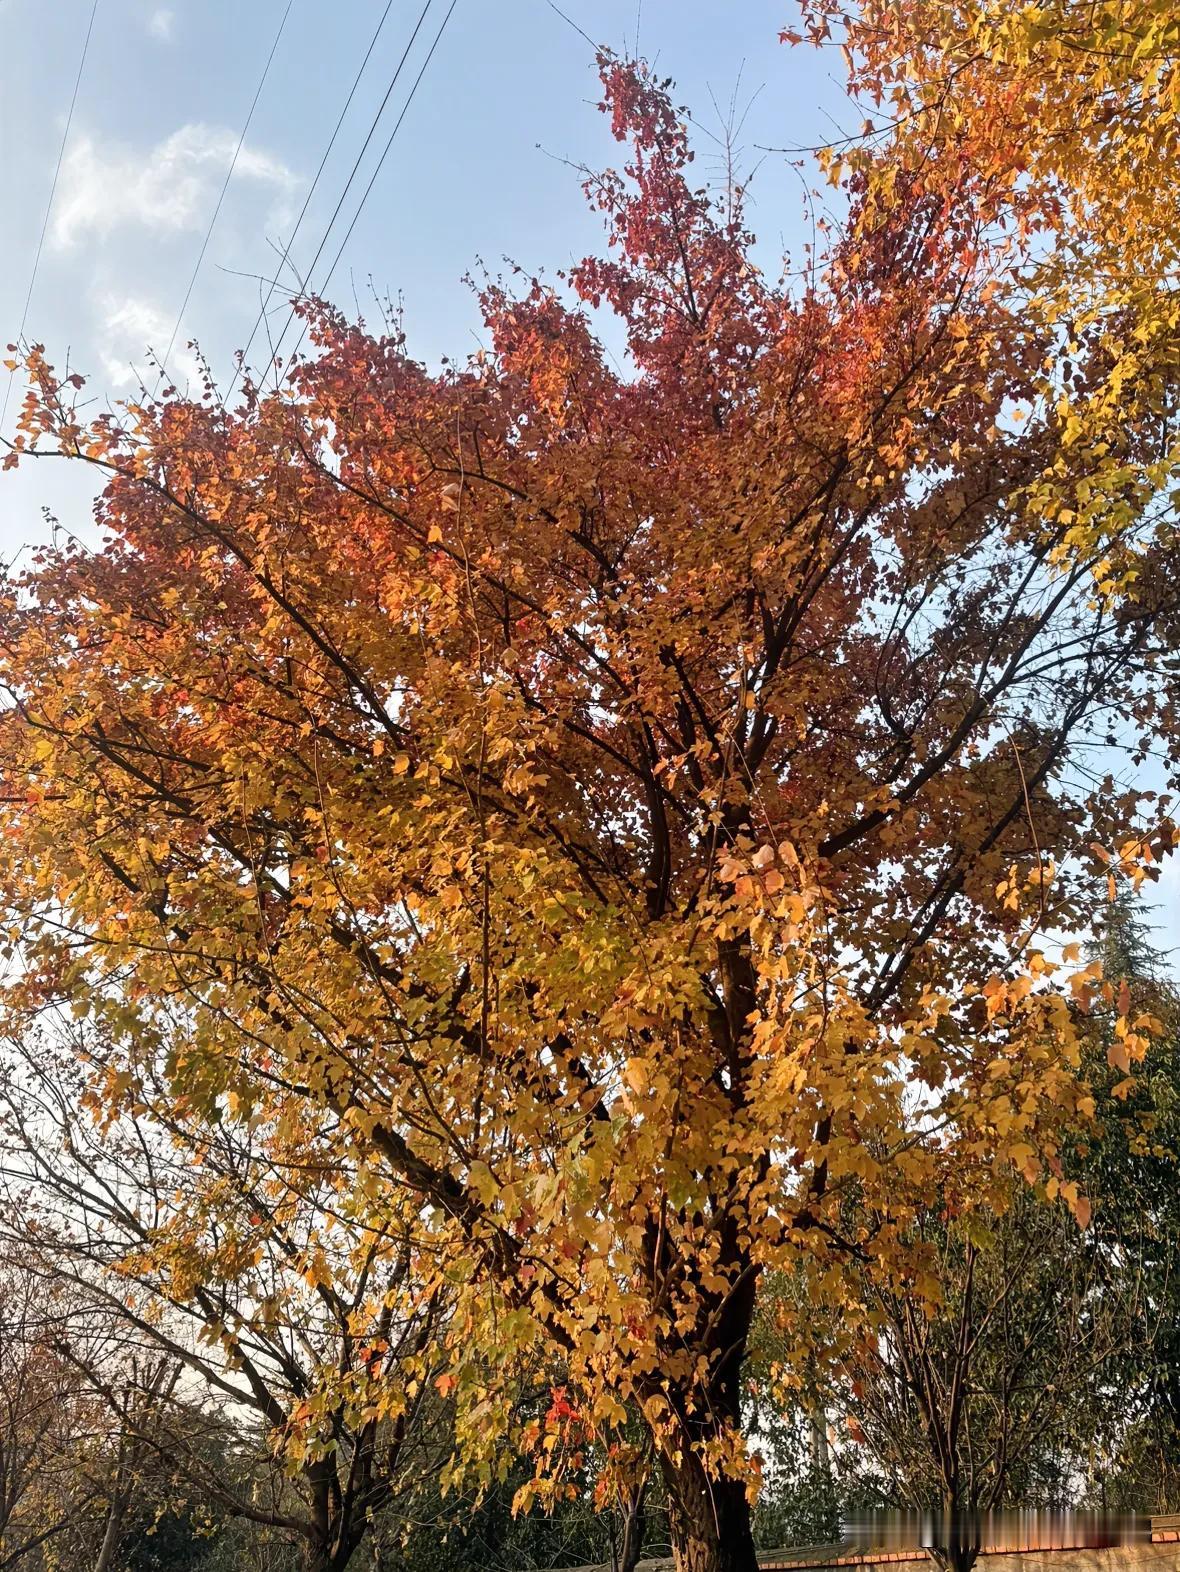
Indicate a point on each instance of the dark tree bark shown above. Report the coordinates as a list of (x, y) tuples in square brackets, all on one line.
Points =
[(631, 1545), (709, 1518)]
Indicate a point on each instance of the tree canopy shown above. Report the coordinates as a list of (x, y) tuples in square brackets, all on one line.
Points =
[(600, 820)]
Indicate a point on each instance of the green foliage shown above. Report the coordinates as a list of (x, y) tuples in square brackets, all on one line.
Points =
[(174, 1542), (440, 1534), (1131, 1165), (802, 1508)]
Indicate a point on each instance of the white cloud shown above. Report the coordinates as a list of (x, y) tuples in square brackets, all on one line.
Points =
[(170, 189), (160, 23), (128, 328)]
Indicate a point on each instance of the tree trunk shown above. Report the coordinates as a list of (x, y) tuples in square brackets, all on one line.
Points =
[(954, 1557), (336, 1527), (820, 1458), (333, 1557), (112, 1534), (963, 1551), (709, 1519), (631, 1547), (960, 1534)]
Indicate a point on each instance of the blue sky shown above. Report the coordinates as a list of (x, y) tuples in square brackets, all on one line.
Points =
[(476, 171), (480, 169)]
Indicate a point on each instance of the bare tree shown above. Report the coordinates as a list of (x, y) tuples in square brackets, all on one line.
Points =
[(266, 1355), (51, 1431), (967, 1394), (141, 1408)]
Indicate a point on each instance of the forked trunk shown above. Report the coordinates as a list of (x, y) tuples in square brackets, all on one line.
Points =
[(960, 1535), (333, 1557), (963, 1551), (709, 1520), (954, 1557), (631, 1545), (329, 1558)]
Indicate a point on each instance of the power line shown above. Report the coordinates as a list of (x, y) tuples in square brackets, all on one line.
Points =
[(311, 192), (357, 163), (384, 154), (224, 188), (65, 136), (389, 144)]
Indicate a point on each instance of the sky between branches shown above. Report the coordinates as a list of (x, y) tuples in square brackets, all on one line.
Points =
[(480, 169)]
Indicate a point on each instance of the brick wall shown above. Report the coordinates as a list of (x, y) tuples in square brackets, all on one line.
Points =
[(1162, 1554)]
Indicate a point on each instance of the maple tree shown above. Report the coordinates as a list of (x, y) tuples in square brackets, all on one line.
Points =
[(619, 813), (1063, 121), (1066, 112)]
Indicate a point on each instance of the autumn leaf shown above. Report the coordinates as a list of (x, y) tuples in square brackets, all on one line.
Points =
[(734, 756)]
